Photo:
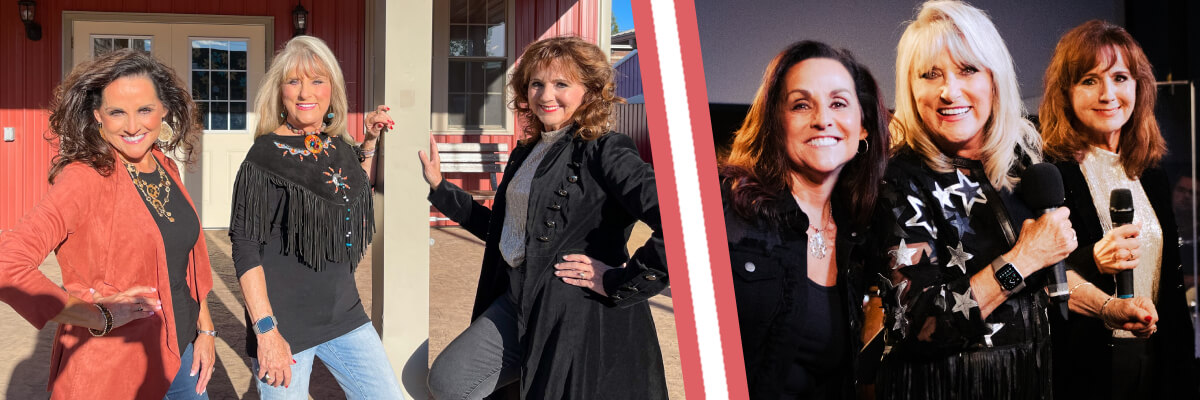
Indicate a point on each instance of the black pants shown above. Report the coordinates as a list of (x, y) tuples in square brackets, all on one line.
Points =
[(1132, 368)]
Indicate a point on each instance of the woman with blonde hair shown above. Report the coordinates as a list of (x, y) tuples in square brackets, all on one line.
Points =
[(302, 216), (1097, 118), (561, 307), (965, 310), (132, 309)]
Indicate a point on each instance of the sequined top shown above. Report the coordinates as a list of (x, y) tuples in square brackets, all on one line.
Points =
[(1103, 171), (512, 240)]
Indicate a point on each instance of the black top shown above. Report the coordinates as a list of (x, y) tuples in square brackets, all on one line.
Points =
[(934, 231), (799, 339), (585, 197), (1083, 344), (178, 239), (304, 218)]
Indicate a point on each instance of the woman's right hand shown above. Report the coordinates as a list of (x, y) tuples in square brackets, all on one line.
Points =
[(274, 359), (1136, 314), (431, 164), (129, 305), (1118, 250), (1043, 242)]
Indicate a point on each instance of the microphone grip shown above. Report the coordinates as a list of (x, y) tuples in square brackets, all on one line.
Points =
[(1125, 284)]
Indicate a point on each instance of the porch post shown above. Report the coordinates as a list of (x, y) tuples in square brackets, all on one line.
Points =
[(398, 55)]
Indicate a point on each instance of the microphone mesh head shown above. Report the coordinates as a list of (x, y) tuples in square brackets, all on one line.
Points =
[(1042, 187)]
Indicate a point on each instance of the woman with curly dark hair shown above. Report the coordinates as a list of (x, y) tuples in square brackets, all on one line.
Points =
[(561, 307), (798, 188), (133, 318)]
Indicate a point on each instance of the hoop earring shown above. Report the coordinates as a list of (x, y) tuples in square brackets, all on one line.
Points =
[(165, 132), (863, 146)]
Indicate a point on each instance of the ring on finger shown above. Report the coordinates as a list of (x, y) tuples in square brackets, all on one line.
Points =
[(581, 275), (267, 377)]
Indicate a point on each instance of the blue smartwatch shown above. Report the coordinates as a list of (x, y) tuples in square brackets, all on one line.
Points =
[(264, 325)]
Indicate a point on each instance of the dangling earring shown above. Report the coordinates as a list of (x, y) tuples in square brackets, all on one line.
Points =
[(329, 116), (283, 115), (863, 146), (165, 132)]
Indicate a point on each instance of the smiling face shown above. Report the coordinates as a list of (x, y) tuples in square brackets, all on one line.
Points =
[(954, 101), (306, 93), (130, 116), (1103, 98), (554, 95), (821, 115)]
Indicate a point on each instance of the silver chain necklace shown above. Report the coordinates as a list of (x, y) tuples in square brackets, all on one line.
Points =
[(816, 241)]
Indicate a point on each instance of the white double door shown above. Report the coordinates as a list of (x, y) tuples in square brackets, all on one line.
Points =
[(222, 65)]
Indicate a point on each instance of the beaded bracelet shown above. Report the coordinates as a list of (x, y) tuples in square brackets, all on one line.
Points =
[(108, 321)]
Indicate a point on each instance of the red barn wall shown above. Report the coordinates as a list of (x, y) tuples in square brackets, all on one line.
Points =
[(32, 70)]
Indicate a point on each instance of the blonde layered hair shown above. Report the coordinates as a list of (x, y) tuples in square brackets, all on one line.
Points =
[(971, 39), (302, 56)]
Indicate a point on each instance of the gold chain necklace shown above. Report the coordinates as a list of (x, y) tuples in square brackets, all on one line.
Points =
[(152, 191)]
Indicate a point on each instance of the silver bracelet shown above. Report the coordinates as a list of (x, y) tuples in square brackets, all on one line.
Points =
[(1100, 313), (204, 332), (1072, 291), (367, 153)]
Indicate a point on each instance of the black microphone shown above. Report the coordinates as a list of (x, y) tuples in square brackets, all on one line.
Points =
[(1042, 190), (1120, 208)]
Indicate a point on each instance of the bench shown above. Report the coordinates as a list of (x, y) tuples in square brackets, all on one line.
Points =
[(477, 158)]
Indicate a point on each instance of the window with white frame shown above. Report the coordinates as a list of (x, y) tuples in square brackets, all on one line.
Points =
[(477, 59), (102, 44), (219, 83)]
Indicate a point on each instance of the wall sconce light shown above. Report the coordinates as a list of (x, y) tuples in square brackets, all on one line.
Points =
[(33, 31), (299, 20)]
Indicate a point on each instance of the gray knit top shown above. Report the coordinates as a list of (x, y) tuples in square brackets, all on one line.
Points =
[(512, 238)]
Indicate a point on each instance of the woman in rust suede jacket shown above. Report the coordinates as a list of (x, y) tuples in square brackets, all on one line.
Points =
[(132, 298)]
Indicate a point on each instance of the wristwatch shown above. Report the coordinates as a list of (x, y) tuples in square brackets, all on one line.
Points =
[(1008, 276), (264, 325)]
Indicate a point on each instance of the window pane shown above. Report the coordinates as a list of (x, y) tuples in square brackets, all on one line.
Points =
[(458, 11), (101, 46), (220, 115), (460, 45), (120, 44), (237, 116), (200, 81), (474, 110), (237, 60), (202, 107), (237, 86), (494, 76), (220, 85), (141, 44), (457, 77), (457, 109), (199, 58), (495, 41), (495, 12), (475, 78), (478, 12), (494, 111), (220, 59), (478, 39)]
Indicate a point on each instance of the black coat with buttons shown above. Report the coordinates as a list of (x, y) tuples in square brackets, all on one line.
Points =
[(1082, 351), (585, 197), (769, 261)]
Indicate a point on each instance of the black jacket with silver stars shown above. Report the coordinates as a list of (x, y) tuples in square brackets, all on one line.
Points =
[(934, 231), (585, 197)]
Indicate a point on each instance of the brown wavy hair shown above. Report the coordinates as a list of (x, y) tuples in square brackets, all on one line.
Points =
[(1080, 50), (583, 62), (74, 128), (759, 165)]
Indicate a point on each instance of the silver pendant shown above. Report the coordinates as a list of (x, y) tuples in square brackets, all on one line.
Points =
[(816, 246)]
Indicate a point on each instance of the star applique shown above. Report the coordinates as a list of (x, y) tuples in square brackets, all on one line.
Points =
[(919, 220), (964, 303), (992, 329), (969, 191), (900, 323), (903, 254), (942, 196), (959, 257), (961, 223)]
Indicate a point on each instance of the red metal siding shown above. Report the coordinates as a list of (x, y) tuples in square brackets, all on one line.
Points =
[(32, 72)]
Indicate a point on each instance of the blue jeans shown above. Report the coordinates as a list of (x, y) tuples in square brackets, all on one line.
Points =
[(184, 384), (356, 359)]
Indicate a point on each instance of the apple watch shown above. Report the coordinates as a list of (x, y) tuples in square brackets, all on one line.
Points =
[(264, 325), (1008, 276)]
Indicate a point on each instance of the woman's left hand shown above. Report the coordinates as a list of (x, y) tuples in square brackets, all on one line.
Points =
[(203, 359), (377, 121), (583, 271)]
